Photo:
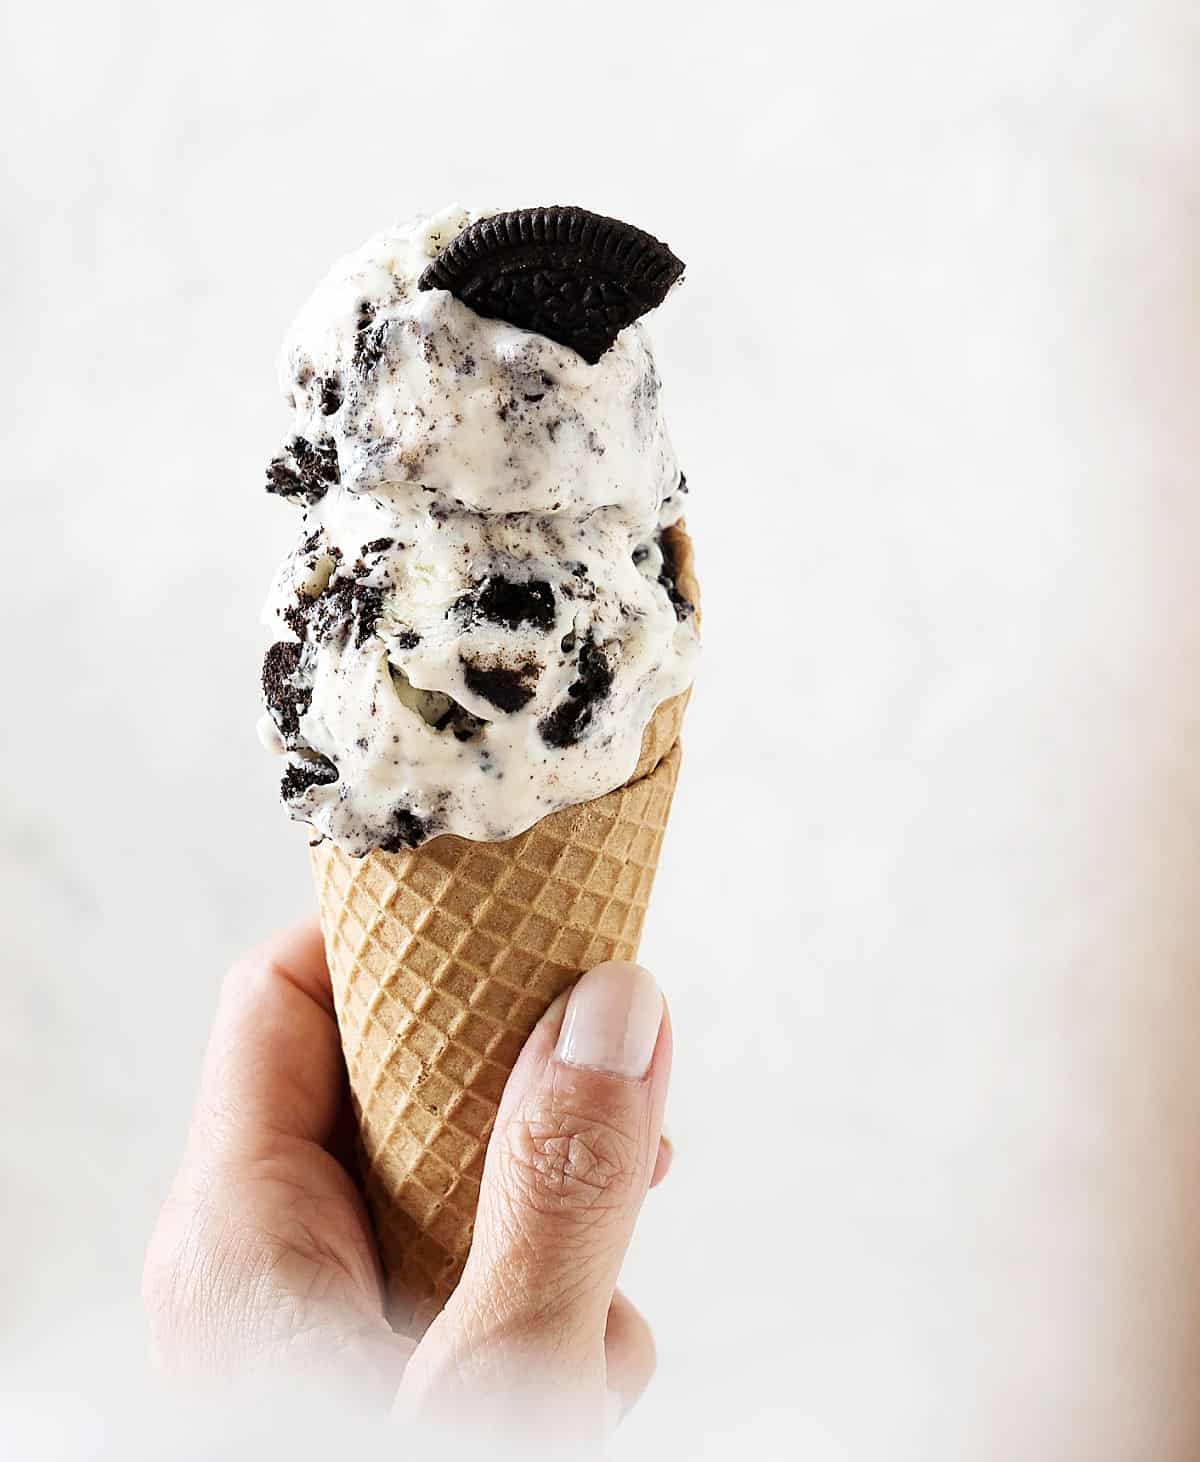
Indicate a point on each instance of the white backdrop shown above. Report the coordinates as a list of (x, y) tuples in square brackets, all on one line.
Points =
[(927, 913)]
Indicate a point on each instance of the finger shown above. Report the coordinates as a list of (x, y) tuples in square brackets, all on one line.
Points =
[(662, 1163), (273, 1066), (571, 1157), (629, 1354)]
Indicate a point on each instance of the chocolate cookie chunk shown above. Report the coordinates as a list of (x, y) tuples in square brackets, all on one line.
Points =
[(370, 339), (507, 687), (567, 722), (512, 603), (286, 695), (576, 277), (314, 771), (342, 605), (304, 470), (408, 831), (330, 399)]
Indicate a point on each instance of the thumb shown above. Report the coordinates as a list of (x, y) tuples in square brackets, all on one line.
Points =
[(572, 1155), (568, 1165)]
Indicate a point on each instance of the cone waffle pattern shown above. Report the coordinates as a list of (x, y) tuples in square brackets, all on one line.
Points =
[(443, 960)]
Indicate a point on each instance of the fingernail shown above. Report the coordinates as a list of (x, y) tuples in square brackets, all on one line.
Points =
[(612, 1021)]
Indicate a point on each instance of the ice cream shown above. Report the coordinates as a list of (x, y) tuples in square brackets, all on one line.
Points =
[(480, 615)]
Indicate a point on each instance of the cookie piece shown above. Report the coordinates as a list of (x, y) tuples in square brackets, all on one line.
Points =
[(507, 687), (568, 721), (304, 470), (407, 831), (313, 771), (574, 276), (329, 398), (511, 602), (344, 603), (286, 694)]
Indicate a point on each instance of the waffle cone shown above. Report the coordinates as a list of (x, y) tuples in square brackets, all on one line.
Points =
[(444, 958)]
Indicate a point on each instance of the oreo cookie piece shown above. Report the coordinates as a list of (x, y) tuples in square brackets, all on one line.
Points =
[(344, 604), (287, 695), (304, 470), (568, 721), (507, 687), (407, 831), (370, 339), (330, 398), (313, 771), (576, 277), (511, 602)]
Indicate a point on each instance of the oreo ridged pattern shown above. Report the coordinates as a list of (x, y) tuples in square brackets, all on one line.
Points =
[(576, 277)]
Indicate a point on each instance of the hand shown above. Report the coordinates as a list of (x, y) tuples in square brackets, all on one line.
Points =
[(263, 1259)]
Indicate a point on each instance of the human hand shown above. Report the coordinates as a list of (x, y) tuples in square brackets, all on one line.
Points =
[(263, 1259)]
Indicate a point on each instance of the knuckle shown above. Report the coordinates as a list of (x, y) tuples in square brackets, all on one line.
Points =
[(569, 1165)]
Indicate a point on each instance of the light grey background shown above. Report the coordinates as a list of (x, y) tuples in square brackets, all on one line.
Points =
[(927, 914)]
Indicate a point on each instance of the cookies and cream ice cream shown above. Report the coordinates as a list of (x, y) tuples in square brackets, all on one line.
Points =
[(479, 616)]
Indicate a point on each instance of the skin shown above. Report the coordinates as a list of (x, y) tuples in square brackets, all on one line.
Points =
[(263, 1260)]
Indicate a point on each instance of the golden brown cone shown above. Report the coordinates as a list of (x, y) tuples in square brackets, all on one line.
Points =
[(442, 961)]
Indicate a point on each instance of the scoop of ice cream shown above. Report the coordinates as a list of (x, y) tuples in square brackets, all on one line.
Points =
[(420, 395), (480, 616)]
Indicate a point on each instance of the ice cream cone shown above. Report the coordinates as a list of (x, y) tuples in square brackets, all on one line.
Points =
[(444, 958)]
